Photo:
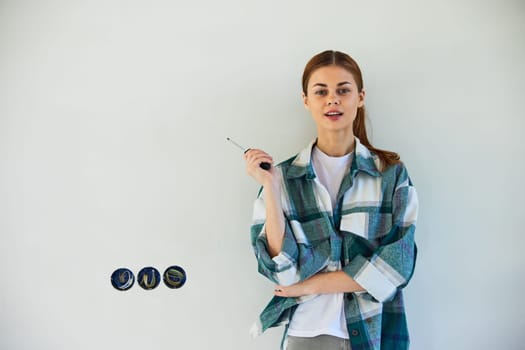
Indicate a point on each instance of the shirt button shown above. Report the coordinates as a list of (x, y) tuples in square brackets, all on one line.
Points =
[(355, 332)]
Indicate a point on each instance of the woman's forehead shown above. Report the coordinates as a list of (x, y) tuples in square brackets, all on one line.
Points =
[(331, 75)]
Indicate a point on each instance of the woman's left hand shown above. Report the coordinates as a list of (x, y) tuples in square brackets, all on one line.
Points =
[(295, 290)]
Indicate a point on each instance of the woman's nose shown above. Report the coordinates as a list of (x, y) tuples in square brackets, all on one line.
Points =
[(333, 100)]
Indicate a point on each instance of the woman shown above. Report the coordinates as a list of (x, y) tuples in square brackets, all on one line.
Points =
[(334, 225)]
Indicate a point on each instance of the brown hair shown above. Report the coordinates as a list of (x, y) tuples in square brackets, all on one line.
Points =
[(336, 58)]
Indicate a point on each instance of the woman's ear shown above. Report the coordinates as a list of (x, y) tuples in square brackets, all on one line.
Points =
[(305, 101), (361, 102)]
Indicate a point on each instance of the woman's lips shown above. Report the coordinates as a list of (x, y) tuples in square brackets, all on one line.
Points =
[(333, 115)]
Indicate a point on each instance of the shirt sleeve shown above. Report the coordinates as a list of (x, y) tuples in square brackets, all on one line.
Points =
[(392, 264), (281, 269)]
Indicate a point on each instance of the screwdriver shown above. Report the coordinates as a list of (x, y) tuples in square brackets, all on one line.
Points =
[(263, 165)]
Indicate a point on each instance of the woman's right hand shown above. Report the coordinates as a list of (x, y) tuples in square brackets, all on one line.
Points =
[(254, 158)]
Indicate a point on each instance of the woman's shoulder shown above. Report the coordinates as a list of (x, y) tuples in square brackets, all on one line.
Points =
[(302, 159), (287, 162), (299, 164), (288, 167)]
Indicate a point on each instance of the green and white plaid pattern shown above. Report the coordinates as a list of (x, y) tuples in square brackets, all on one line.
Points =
[(370, 233)]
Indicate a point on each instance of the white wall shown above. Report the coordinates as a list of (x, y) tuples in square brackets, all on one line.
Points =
[(113, 119)]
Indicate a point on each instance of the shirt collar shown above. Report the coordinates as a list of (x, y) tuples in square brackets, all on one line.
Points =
[(363, 160)]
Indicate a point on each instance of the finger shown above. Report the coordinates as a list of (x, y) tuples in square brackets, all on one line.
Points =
[(256, 160), (253, 153), (279, 293)]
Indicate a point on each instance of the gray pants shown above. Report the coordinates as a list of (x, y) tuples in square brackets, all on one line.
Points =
[(321, 342)]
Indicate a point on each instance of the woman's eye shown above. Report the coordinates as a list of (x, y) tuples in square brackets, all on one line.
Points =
[(321, 92), (343, 91)]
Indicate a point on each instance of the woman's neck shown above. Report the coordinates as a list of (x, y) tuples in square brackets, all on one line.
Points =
[(336, 144)]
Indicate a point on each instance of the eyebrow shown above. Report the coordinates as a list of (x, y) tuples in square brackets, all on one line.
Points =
[(340, 84)]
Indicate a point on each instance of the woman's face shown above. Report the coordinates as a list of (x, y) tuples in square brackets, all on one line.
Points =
[(332, 98)]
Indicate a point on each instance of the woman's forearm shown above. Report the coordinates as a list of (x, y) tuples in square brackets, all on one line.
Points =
[(274, 219), (321, 283), (270, 180), (332, 282)]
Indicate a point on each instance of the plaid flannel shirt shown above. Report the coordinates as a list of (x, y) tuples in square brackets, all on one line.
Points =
[(370, 232)]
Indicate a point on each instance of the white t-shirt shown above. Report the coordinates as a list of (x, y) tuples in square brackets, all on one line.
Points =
[(324, 314)]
